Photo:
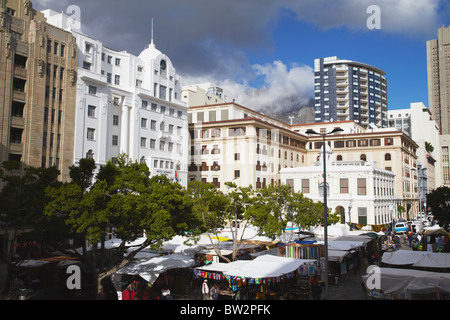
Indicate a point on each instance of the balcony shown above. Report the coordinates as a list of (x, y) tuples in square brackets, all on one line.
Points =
[(20, 72), (88, 75)]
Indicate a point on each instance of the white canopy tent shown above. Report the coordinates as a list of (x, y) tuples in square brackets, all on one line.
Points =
[(265, 266), (150, 269), (424, 259), (407, 281)]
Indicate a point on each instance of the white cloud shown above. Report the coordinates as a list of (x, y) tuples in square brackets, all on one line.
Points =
[(281, 89), (419, 17)]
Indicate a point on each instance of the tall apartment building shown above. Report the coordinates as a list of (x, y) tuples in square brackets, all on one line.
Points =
[(128, 104), (38, 67), (438, 67), (350, 90)]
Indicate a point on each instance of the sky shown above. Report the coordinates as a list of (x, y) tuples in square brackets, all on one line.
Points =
[(263, 51)]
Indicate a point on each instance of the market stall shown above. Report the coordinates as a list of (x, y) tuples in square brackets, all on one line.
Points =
[(161, 272), (265, 277)]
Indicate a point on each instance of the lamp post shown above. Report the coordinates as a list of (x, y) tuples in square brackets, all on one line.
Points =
[(325, 209)]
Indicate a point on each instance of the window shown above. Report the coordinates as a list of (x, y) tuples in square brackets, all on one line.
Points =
[(109, 59), (117, 62), (339, 158), (108, 77), (362, 215), (115, 120), (305, 185), (237, 173), (387, 157), (152, 143), (143, 142), (162, 92), (144, 123), (92, 90), (117, 79), (363, 157), (162, 109), (344, 185), (86, 65), (388, 141), (362, 186), (237, 157), (91, 111), (290, 182), (162, 145), (239, 131), (90, 133), (180, 114), (154, 107), (153, 124), (115, 140)]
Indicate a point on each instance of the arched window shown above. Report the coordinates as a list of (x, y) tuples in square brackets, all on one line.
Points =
[(387, 157), (363, 157), (90, 154), (339, 158)]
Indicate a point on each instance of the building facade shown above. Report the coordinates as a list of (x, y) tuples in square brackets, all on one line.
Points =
[(438, 71), (358, 191), (129, 105), (38, 68), (350, 90), (231, 143), (388, 149), (417, 123)]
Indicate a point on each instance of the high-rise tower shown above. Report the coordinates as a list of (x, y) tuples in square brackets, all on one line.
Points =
[(38, 65), (438, 65), (350, 90)]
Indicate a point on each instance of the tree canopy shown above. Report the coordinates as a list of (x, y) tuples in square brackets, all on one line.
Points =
[(125, 202), (439, 202)]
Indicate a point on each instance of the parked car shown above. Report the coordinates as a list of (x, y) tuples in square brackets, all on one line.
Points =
[(401, 227)]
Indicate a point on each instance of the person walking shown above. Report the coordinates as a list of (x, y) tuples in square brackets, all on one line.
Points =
[(316, 290), (205, 290), (415, 244)]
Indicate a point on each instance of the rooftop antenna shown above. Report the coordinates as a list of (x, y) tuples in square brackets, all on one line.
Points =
[(152, 33)]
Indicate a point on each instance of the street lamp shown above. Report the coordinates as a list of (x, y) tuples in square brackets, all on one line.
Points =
[(325, 209)]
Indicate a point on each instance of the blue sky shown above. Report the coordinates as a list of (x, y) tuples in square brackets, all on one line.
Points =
[(263, 51)]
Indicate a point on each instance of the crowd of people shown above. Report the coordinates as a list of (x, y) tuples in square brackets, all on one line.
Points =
[(419, 241)]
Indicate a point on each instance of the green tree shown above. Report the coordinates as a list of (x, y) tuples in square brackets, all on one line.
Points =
[(126, 202), (278, 206), (211, 205), (22, 200), (439, 202)]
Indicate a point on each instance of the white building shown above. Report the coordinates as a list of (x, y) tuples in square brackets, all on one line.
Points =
[(128, 104), (359, 191), (417, 123)]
